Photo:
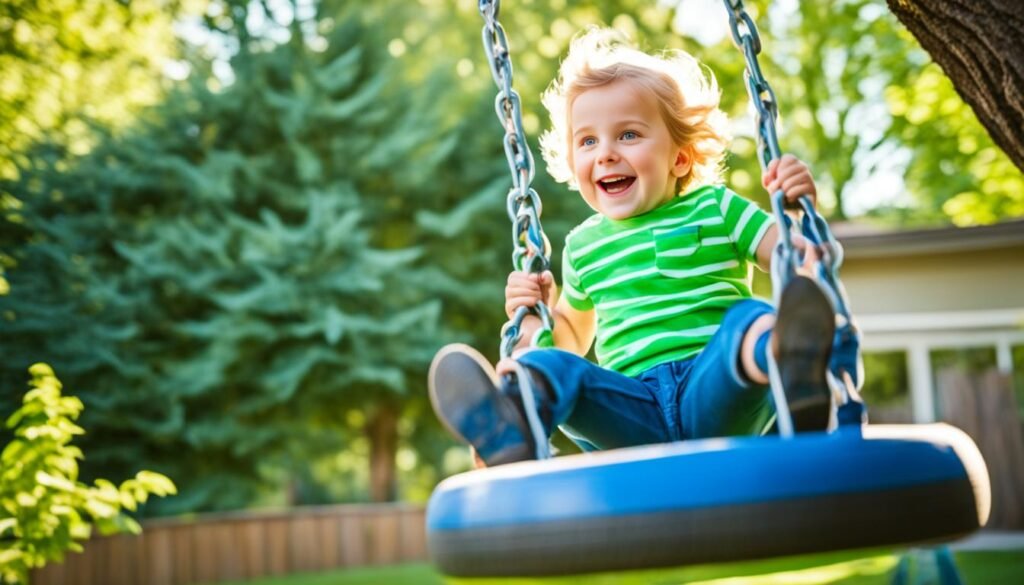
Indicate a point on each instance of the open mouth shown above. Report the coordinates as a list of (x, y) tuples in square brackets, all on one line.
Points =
[(616, 185)]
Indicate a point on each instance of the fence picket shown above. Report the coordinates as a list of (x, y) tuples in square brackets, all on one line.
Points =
[(246, 545), (984, 406)]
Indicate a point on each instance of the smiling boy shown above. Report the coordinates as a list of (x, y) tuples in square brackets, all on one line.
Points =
[(658, 278)]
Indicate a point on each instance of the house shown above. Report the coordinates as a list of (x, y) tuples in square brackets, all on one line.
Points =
[(923, 291)]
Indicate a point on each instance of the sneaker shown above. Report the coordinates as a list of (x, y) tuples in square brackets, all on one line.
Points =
[(468, 399), (802, 346)]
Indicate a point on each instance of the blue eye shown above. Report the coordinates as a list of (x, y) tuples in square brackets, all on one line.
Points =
[(588, 141), (630, 135)]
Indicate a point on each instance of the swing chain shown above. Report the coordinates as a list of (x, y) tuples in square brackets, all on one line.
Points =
[(531, 248), (845, 363), (766, 109)]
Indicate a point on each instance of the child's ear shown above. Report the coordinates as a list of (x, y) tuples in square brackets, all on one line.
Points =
[(683, 162)]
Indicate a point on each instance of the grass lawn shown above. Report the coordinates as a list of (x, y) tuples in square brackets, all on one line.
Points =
[(976, 568)]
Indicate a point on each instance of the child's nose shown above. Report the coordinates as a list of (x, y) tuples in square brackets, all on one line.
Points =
[(607, 154)]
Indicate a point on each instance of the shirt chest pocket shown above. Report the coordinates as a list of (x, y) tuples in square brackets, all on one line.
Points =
[(676, 249)]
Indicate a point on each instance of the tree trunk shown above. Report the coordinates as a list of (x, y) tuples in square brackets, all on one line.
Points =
[(383, 434), (980, 46)]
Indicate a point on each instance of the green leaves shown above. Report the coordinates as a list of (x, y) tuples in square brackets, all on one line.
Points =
[(227, 279), (155, 483), (61, 59), (955, 172), (340, 73), (44, 510)]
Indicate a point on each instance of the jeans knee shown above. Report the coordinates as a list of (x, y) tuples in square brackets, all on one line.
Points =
[(742, 315), (547, 362)]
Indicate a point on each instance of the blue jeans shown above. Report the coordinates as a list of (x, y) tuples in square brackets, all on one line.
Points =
[(704, 396)]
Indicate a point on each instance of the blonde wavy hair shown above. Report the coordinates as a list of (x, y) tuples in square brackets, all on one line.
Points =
[(688, 100)]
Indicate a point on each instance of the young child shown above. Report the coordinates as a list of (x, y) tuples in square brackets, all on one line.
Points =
[(659, 276)]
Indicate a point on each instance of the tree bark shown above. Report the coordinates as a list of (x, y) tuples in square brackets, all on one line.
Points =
[(383, 434), (980, 46)]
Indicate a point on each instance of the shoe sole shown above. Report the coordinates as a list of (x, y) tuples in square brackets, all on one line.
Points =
[(467, 379), (804, 346)]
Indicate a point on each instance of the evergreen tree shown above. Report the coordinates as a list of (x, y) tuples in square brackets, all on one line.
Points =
[(247, 283), (232, 296)]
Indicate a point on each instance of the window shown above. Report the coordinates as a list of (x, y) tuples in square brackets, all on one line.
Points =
[(886, 387)]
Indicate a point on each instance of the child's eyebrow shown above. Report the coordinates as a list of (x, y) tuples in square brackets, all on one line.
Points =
[(620, 123), (634, 122)]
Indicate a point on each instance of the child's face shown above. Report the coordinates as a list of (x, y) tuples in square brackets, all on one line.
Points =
[(623, 156)]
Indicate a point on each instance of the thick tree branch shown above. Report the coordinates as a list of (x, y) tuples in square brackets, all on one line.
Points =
[(980, 46)]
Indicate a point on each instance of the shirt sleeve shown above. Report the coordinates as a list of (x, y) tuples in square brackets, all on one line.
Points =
[(747, 223), (572, 289)]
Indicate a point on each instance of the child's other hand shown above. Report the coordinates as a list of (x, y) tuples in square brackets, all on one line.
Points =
[(527, 288), (809, 253), (792, 176)]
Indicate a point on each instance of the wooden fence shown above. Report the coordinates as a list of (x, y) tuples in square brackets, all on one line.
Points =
[(238, 546), (249, 545), (984, 406)]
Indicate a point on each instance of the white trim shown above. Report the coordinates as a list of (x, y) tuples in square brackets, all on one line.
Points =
[(1004, 356), (940, 340), (947, 320), (919, 373), (920, 333)]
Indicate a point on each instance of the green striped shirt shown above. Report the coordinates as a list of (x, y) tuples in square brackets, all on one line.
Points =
[(662, 281)]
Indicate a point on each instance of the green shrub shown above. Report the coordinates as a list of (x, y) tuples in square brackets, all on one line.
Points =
[(44, 509)]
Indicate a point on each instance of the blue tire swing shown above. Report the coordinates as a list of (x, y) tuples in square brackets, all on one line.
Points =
[(710, 500)]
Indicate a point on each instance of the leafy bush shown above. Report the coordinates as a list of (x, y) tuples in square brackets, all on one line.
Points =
[(44, 509)]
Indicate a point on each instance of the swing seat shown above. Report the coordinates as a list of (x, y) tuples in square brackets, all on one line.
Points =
[(711, 501)]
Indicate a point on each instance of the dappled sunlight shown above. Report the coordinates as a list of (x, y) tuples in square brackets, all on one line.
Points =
[(241, 230), (814, 576)]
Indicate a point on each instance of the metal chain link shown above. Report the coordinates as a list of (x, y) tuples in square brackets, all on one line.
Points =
[(766, 112), (531, 248), (845, 363)]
